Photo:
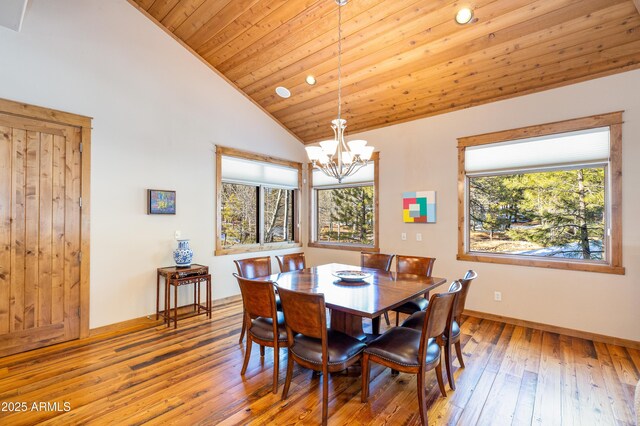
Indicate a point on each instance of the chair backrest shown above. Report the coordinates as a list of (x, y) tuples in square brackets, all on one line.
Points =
[(291, 262), (465, 283), (254, 267), (376, 260), (304, 313), (415, 265), (437, 316), (258, 297)]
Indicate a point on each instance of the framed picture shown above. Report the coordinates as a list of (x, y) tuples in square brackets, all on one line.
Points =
[(419, 207), (161, 202)]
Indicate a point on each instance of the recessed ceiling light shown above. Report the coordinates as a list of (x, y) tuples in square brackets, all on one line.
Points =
[(311, 80), (464, 16), (283, 92)]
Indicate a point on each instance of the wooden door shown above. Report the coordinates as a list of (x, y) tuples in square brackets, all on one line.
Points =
[(40, 233)]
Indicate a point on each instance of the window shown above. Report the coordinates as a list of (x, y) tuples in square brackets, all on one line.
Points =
[(257, 202), (345, 216), (545, 196)]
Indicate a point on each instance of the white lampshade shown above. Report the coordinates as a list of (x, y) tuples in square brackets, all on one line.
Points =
[(329, 147), (314, 153), (347, 158), (356, 146), (366, 153)]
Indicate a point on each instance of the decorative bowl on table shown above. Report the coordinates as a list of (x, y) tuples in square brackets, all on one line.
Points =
[(352, 276)]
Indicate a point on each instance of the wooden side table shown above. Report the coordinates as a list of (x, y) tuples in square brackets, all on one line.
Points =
[(176, 277)]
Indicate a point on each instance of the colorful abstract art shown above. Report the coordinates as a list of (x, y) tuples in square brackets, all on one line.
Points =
[(419, 207), (161, 202)]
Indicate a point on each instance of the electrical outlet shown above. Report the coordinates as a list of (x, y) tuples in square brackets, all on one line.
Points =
[(418, 237), (497, 296), (177, 235), (403, 236)]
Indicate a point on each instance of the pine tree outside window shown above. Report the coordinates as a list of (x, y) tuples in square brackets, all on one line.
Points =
[(547, 195), (345, 216), (257, 201)]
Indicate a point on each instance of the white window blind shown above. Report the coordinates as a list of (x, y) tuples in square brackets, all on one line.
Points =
[(562, 149), (364, 175), (239, 170)]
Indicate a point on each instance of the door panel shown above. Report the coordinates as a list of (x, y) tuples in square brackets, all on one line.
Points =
[(40, 187)]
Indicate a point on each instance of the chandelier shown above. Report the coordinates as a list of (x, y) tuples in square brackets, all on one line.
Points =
[(335, 157)]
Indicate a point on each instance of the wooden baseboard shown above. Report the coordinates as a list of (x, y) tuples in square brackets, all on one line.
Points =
[(555, 329), (150, 321)]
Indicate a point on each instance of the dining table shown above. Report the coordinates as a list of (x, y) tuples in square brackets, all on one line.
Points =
[(351, 301)]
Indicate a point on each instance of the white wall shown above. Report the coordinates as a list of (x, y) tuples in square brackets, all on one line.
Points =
[(422, 155), (158, 112)]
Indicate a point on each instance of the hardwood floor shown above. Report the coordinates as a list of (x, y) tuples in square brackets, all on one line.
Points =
[(150, 374)]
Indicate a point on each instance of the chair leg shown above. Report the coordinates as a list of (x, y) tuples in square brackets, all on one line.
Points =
[(366, 367), (244, 328), (459, 353), (386, 318), (276, 366), (247, 355), (422, 398), (325, 395), (397, 318), (287, 381), (447, 361), (440, 379), (261, 350)]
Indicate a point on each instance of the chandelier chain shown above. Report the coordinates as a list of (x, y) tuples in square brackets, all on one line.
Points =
[(339, 61)]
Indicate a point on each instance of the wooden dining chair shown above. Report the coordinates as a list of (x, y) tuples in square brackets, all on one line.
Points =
[(311, 344), (252, 268), (452, 333), (377, 261), (414, 265), (291, 262), (411, 351), (265, 324)]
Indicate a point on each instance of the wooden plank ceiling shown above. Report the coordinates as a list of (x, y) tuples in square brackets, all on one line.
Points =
[(402, 59)]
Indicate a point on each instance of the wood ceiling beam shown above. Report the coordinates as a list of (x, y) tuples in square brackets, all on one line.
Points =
[(490, 65), (281, 45), (272, 37), (179, 13), (369, 24), (253, 21), (403, 59), (478, 95), (229, 13), (446, 46), (418, 23)]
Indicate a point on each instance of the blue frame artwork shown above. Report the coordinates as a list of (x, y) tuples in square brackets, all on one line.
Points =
[(161, 202)]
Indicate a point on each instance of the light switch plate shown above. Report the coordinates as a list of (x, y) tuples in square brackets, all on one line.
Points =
[(178, 234), (403, 236), (418, 237)]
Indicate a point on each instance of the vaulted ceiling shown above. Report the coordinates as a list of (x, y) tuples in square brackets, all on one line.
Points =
[(402, 59)]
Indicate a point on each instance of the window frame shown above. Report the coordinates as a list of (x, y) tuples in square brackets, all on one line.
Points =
[(261, 246), (375, 159), (613, 241)]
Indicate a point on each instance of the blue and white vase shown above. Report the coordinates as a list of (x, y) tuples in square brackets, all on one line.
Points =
[(183, 255)]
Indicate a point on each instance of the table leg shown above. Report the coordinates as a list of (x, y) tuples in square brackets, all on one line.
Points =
[(175, 306), (157, 297), (209, 296), (198, 285), (195, 291), (167, 301), (375, 325)]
